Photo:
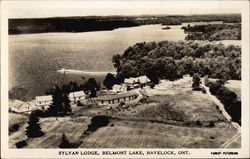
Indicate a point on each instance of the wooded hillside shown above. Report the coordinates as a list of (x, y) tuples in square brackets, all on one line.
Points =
[(170, 60)]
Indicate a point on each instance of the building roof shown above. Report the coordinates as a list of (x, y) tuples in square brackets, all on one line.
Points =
[(77, 94), (17, 104), (117, 86), (142, 79), (44, 98), (116, 96), (21, 106)]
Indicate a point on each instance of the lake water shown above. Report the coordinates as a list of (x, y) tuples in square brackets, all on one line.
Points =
[(35, 58)]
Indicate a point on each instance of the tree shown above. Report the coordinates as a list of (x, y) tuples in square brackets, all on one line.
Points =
[(56, 108), (65, 142), (91, 84), (170, 68), (196, 81), (60, 103), (116, 61), (109, 81), (33, 129), (66, 104), (128, 70), (92, 93)]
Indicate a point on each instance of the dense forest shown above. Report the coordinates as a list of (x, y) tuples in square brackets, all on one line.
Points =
[(172, 60), (213, 32), (97, 23)]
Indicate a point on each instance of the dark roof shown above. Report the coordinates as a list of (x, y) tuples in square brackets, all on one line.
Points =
[(116, 96)]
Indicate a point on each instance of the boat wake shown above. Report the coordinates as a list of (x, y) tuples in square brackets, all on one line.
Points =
[(70, 71)]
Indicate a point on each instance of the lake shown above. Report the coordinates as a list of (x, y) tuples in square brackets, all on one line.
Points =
[(35, 58)]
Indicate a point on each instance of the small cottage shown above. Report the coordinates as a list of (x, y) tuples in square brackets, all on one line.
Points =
[(112, 99), (75, 96)]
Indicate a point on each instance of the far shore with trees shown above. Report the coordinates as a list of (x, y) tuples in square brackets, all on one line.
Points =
[(213, 32)]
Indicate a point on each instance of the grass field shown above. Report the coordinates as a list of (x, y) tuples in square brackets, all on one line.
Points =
[(177, 105), (16, 121), (53, 129), (130, 134)]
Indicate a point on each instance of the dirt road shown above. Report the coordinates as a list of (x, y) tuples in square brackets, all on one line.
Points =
[(227, 116)]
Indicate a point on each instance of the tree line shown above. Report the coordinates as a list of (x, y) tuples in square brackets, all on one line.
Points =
[(213, 32), (227, 97), (171, 60), (97, 23)]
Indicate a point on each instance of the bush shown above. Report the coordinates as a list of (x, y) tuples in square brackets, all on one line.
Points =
[(21, 144), (97, 122), (198, 123), (151, 85), (211, 124), (144, 100), (121, 104), (203, 90), (13, 128)]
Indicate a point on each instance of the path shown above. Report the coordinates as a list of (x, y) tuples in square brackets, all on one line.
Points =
[(227, 116), (231, 140)]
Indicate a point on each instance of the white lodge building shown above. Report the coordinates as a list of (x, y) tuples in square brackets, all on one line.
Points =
[(75, 96), (43, 100), (136, 82)]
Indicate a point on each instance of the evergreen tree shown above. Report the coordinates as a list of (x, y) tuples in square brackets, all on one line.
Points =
[(33, 129), (65, 142), (60, 102), (66, 104), (56, 108)]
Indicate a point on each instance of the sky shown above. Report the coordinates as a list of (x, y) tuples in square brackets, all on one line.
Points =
[(28, 9)]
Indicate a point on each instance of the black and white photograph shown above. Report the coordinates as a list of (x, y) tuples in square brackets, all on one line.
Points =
[(126, 75)]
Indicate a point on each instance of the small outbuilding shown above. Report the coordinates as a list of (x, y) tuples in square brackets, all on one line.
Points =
[(119, 88)]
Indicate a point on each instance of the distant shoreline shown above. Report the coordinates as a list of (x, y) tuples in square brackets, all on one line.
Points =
[(105, 23)]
